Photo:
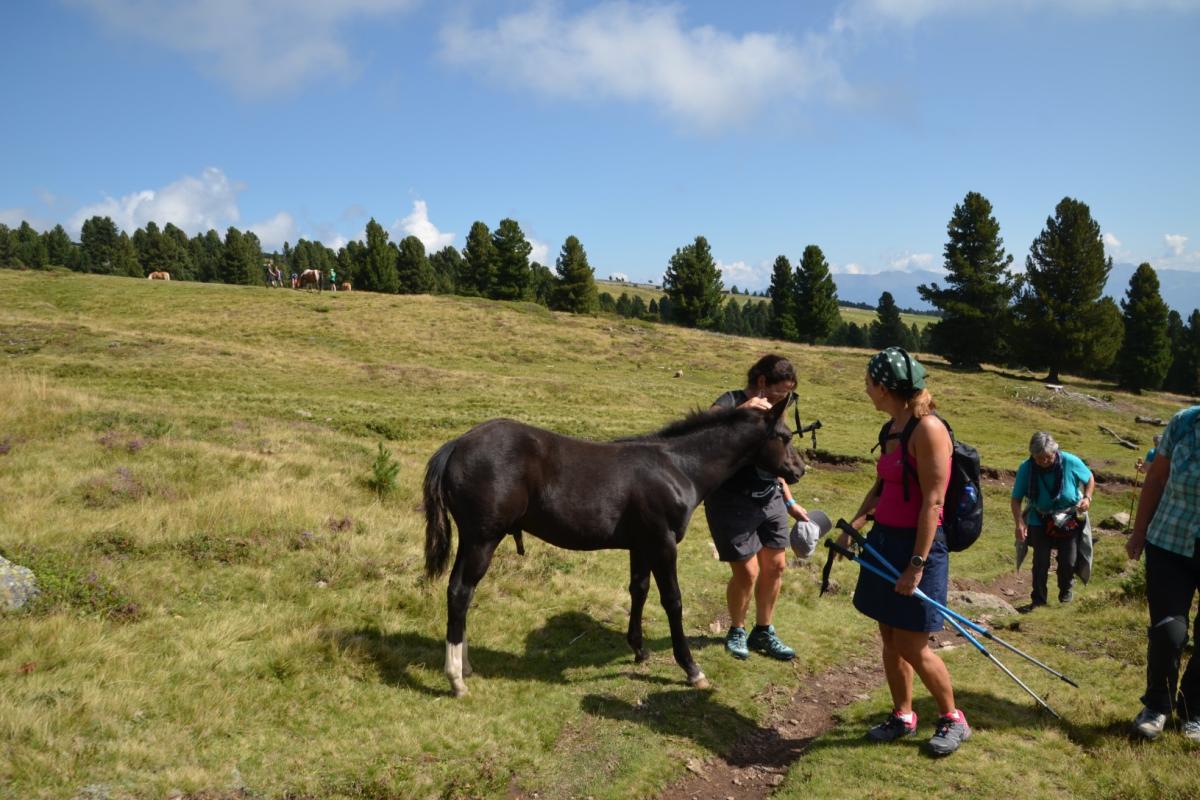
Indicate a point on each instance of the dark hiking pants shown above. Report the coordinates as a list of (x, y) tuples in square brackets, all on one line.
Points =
[(1042, 545), (1171, 583)]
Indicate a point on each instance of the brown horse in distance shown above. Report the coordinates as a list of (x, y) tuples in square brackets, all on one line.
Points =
[(310, 279), (160, 275)]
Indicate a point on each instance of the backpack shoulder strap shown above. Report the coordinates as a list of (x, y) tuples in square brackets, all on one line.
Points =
[(881, 442), (905, 467)]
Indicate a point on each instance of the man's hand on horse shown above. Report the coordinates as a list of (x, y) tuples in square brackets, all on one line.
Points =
[(761, 403)]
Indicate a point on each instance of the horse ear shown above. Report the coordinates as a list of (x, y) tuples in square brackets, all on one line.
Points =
[(778, 409)]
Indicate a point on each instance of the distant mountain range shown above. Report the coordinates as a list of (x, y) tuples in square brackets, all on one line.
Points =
[(1180, 289)]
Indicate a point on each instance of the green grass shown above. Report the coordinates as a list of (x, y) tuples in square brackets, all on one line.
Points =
[(228, 605)]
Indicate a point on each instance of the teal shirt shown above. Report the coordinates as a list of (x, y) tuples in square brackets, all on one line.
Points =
[(1176, 522), (1076, 477)]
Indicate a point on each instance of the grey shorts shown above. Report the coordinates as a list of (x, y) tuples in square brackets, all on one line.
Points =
[(741, 525)]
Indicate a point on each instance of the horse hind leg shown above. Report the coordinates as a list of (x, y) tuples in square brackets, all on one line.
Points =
[(470, 565), (639, 588)]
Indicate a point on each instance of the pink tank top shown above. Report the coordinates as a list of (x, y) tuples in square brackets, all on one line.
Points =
[(892, 509)]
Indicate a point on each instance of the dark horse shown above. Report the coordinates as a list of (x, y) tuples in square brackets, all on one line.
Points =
[(503, 477)]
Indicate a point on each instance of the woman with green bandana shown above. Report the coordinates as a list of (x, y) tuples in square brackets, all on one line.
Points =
[(906, 505)]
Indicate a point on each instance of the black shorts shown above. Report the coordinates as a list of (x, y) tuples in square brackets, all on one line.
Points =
[(742, 525)]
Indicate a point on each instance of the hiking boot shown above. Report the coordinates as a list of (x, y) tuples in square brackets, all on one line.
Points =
[(952, 730), (893, 728), (763, 640), (1191, 729), (1149, 724), (735, 643), (1066, 596)]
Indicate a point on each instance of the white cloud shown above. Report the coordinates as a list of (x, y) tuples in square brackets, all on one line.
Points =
[(645, 54), (273, 232), (1175, 243), (540, 252), (417, 224), (848, 269), (193, 203), (913, 261), (1111, 241), (258, 47), (859, 15), (742, 275), (618, 276)]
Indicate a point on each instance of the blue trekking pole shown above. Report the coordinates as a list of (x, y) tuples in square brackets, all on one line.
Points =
[(837, 548), (862, 542)]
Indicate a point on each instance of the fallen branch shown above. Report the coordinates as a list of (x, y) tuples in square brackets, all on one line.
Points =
[(1149, 421), (1120, 441)]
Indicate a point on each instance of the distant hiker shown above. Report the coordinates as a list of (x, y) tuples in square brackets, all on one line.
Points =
[(1143, 464), (332, 280), (1059, 488), (908, 533), (1167, 526), (295, 281), (750, 519)]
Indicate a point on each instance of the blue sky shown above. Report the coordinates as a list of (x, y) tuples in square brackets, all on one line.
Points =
[(856, 125)]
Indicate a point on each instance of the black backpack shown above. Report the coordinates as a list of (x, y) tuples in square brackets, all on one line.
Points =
[(962, 511)]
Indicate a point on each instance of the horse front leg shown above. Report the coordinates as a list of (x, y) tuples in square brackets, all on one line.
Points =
[(471, 563), (672, 602), (639, 587)]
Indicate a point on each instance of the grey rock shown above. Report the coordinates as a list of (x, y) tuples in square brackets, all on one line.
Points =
[(971, 603), (17, 585), (1117, 522)]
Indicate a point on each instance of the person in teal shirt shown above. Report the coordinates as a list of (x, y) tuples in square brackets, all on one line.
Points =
[(1166, 528), (1052, 480)]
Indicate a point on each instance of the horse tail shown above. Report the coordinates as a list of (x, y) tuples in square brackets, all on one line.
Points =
[(437, 520)]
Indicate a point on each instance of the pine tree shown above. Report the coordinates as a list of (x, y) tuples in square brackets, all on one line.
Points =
[(1184, 374), (512, 261), (575, 289), (731, 319), (975, 302), (208, 254), (60, 250), (693, 283), (888, 329), (31, 249), (125, 258), (241, 261), (607, 304), (1099, 355), (8, 250), (541, 284), (817, 314), (446, 264), (783, 300), (479, 262), (379, 264), (664, 308), (1145, 354), (415, 274), (178, 253), (1058, 310), (97, 241)]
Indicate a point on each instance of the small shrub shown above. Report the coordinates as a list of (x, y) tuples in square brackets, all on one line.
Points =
[(67, 582), (384, 469), (111, 491), (1133, 585)]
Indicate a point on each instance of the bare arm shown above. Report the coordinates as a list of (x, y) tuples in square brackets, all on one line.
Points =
[(1152, 490), (1085, 502), (1022, 531)]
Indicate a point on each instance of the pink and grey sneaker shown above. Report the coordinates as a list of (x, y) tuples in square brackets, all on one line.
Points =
[(894, 727), (952, 730)]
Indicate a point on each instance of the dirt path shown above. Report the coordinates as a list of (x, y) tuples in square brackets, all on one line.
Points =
[(759, 761)]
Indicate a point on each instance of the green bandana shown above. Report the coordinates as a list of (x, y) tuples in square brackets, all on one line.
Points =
[(896, 370)]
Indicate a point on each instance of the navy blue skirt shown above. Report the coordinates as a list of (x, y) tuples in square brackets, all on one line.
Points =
[(878, 599)]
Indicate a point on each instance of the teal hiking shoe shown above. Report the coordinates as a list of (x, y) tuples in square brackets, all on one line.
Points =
[(763, 640), (735, 643)]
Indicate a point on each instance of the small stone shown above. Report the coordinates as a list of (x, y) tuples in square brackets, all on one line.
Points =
[(322, 584), (775, 780)]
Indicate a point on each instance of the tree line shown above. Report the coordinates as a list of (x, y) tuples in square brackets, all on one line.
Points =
[(1053, 317)]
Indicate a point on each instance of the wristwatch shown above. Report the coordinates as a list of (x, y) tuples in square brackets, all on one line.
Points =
[(918, 561)]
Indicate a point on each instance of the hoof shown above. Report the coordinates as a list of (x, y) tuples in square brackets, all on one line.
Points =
[(459, 687), (640, 656), (700, 681)]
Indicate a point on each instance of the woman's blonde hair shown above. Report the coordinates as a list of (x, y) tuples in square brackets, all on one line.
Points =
[(921, 403)]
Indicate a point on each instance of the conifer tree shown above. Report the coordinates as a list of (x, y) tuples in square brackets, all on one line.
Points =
[(1058, 310), (178, 253), (512, 261), (1184, 374), (575, 289), (817, 314), (30, 247), (97, 243), (783, 300), (979, 290), (379, 261), (60, 250), (241, 258), (413, 270), (446, 264), (693, 284), (1145, 354), (479, 262), (208, 254), (888, 329), (125, 258)]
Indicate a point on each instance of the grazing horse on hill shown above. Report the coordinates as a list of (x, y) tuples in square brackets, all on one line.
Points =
[(310, 279), (159, 276), (503, 477), (345, 286)]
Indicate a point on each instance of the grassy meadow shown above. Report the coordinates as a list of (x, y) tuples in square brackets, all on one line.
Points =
[(229, 611)]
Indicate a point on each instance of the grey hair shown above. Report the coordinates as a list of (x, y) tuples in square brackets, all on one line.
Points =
[(1042, 442)]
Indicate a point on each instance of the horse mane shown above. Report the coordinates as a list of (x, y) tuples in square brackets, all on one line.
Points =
[(698, 420)]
